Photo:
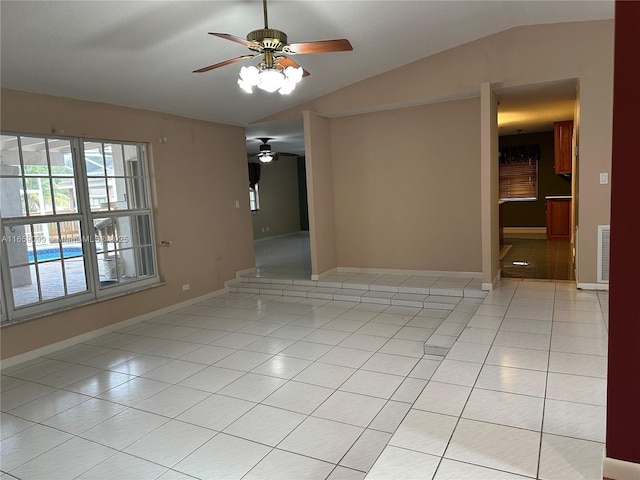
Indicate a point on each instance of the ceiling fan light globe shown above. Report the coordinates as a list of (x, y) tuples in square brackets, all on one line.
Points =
[(250, 74), (266, 158), (246, 86), (294, 73), (270, 80), (287, 87)]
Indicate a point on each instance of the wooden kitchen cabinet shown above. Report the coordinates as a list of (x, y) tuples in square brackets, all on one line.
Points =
[(563, 141), (558, 218)]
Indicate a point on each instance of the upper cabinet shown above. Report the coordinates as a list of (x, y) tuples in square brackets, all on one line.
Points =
[(563, 146)]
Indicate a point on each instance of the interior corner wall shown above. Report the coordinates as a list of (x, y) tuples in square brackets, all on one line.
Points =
[(406, 188), (196, 177), (317, 144), (279, 204)]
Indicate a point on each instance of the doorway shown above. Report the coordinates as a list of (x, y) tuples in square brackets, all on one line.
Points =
[(280, 218), (528, 119)]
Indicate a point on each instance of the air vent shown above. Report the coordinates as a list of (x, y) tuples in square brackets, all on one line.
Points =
[(604, 243)]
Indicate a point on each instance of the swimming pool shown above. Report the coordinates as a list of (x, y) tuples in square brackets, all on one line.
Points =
[(53, 253)]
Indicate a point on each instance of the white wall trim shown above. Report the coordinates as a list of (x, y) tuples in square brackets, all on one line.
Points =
[(68, 342), (395, 271), (241, 274), (323, 274), (288, 234), (620, 470), (490, 286), (542, 230), (593, 286)]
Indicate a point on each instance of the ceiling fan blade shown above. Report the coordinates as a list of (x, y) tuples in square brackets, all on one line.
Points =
[(287, 62), (233, 38), (222, 64), (341, 45)]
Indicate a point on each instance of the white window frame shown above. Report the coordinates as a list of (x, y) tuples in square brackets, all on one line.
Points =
[(255, 200), (95, 291)]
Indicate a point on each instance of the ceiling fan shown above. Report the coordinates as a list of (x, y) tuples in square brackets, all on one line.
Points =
[(266, 154), (276, 70)]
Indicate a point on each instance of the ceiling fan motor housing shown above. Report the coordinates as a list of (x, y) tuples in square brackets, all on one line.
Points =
[(265, 148), (268, 38)]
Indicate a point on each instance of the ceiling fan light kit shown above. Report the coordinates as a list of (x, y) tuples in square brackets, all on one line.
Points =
[(272, 79), (276, 71), (265, 155)]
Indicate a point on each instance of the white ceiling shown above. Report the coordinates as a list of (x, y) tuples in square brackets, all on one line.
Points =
[(141, 53)]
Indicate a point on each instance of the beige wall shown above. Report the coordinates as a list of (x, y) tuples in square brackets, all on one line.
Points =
[(519, 56), (406, 188), (317, 145), (198, 175), (279, 203), (489, 185)]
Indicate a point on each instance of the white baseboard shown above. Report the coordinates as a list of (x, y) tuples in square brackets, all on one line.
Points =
[(68, 342), (290, 234), (239, 275), (620, 470), (525, 230), (423, 273), (593, 286), (323, 274), (490, 286)]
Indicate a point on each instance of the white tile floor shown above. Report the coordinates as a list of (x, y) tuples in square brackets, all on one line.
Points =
[(257, 386)]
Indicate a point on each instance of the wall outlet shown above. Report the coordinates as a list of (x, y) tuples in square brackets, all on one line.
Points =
[(262, 229), (267, 229), (186, 287)]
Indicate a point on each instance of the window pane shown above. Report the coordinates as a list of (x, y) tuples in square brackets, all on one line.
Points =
[(118, 190), (94, 159), (9, 155), (114, 159), (51, 280), (18, 242), (34, 156), (64, 195), (76, 275), (98, 194), (25, 285), (60, 157), (11, 195), (143, 223)]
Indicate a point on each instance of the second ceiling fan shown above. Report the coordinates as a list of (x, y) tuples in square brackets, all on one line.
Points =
[(276, 71)]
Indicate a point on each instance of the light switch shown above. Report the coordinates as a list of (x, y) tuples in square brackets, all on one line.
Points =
[(604, 178), (238, 201)]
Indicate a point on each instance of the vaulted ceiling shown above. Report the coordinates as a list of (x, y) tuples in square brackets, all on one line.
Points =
[(142, 53)]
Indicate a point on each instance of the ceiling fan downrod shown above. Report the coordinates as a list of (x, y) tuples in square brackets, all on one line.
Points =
[(264, 9)]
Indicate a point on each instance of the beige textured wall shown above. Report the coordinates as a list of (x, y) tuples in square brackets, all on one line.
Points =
[(279, 204), (519, 56), (406, 188), (198, 175), (317, 140)]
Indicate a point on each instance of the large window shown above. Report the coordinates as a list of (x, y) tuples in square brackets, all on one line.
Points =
[(75, 222), (518, 173)]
